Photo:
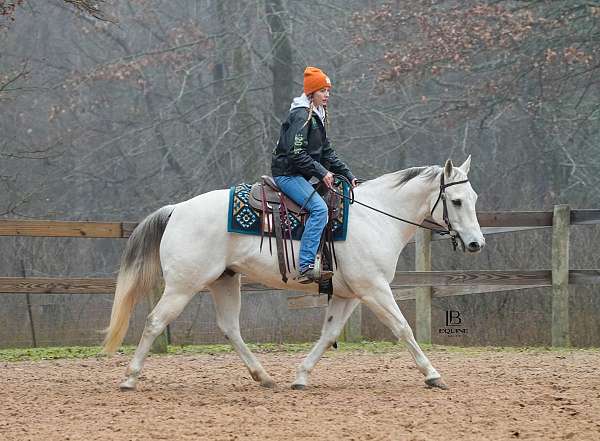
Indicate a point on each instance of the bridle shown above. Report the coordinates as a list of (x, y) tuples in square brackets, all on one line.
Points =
[(441, 196)]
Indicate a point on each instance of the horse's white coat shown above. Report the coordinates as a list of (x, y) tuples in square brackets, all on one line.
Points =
[(196, 249)]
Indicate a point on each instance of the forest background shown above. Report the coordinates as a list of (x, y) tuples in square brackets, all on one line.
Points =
[(111, 109)]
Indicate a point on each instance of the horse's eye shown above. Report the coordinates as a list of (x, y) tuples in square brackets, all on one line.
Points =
[(456, 202)]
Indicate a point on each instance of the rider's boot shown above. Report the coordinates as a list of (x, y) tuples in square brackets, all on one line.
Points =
[(309, 275)]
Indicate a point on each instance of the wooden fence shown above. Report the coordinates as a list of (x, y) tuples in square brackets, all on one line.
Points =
[(421, 285)]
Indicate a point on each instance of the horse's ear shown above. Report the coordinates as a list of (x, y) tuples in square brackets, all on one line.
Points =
[(466, 166), (448, 168)]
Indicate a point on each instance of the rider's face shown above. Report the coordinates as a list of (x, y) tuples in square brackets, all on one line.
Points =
[(320, 97)]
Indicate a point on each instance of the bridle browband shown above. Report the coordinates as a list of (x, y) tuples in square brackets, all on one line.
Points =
[(441, 196)]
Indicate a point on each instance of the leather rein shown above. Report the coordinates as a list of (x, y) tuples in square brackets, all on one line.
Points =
[(441, 196)]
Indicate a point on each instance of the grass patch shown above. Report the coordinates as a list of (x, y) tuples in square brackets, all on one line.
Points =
[(81, 352), (372, 347), (52, 353)]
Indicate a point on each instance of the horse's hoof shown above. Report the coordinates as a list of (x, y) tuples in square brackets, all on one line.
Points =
[(127, 386), (269, 384), (298, 386), (436, 382)]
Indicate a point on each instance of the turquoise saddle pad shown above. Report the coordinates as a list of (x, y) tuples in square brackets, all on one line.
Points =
[(244, 219)]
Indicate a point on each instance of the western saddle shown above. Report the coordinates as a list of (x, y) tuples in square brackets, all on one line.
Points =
[(274, 207)]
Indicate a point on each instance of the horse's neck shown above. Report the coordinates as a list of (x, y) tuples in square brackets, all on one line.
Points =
[(410, 201)]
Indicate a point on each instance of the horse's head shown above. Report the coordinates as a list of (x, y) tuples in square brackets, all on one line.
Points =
[(455, 206)]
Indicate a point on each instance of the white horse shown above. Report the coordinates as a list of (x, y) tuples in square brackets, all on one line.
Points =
[(190, 243)]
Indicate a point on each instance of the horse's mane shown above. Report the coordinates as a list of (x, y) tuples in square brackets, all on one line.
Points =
[(403, 176)]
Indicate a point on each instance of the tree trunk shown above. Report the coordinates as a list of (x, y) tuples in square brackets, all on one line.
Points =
[(283, 85)]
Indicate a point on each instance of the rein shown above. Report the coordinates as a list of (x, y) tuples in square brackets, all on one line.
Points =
[(441, 196)]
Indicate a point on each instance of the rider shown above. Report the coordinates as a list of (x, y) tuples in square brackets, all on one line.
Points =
[(304, 151)]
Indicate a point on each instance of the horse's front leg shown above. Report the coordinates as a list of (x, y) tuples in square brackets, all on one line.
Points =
[(227, 299), (381, 301), (338, 312)]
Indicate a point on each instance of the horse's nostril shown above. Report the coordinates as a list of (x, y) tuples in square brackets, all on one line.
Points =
[(474, 246)]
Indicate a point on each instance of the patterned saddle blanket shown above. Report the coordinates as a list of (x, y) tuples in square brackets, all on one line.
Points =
[(245, 219)]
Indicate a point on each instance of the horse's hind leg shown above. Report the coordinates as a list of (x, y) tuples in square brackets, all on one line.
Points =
[(338, 312), (381, 302), (166, 310), (227, 298)]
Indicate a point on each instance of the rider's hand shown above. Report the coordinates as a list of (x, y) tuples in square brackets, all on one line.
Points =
[(328, 180), (354, 183)]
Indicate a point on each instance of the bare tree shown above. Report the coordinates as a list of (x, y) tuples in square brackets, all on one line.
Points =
[(92, 8), (482, 66)]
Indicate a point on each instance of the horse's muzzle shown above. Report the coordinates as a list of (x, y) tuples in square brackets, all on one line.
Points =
[(474, 247)]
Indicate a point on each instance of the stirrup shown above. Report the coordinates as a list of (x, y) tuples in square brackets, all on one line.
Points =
[(310, 275)]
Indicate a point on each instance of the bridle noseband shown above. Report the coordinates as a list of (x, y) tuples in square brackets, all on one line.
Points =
[(442, 196)]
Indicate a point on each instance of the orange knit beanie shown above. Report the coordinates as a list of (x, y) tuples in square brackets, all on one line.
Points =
[(315, 79)]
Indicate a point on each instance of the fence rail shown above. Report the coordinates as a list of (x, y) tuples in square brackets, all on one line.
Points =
[(52, 228), (78, 285), (496, 221), (422, 285), (448, 283)]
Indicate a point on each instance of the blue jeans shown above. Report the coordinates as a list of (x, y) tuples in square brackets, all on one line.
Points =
[(299, 190)]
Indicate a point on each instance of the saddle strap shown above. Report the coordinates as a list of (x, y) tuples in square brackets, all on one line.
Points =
[(283, 221), (325, 286), (332, 200), (279, 242), (327, 245), (287, 232), (332, 255), (265, 217)]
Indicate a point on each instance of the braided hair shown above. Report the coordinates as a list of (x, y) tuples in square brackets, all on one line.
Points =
[(310, 112)]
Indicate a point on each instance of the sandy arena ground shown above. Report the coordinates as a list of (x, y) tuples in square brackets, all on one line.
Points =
[(352, 396)]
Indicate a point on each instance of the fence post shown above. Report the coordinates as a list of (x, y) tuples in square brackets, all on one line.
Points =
[(161, 342), (29, 312), (560, 275), (423, 298)]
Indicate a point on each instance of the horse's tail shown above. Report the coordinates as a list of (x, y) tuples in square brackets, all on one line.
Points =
[(139, 272)]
